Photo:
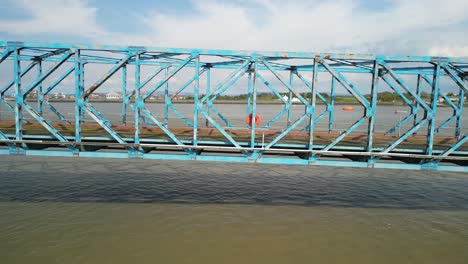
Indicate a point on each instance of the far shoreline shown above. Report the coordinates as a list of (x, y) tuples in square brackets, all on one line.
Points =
[(232, 102)]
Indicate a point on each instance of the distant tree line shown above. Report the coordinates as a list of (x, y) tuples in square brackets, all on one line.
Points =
[(381, 97)]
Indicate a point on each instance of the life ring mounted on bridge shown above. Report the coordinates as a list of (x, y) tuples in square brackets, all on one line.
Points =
[(257, 120)]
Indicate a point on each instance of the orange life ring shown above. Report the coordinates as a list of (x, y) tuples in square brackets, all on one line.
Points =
[(348, 108), (257, 120)]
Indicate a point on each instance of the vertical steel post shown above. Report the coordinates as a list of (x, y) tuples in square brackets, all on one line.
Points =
[(124, 95), (166, 98), (461, 101), (40, 95), (331, 115), (196, 100), (289, 104), (19, 97), (79, 91), (311, 107), (254, 104), (415, 108), (82, 87), (138, 100), (249, 92), (208, 91), (371, 111), (432, 117)]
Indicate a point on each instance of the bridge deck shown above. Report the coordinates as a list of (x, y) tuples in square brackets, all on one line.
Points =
[(297, 138)]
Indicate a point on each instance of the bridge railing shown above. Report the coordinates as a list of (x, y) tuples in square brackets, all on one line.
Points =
[(162, 98)]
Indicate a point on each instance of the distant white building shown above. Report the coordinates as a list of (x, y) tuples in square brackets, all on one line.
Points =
[(113, 96), (286, 98), (60, 96), (452, 98)]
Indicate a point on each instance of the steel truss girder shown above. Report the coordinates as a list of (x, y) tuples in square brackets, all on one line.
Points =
[(240, 63)]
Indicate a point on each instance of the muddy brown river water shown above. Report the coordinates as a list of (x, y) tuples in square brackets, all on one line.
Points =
[(66, 210)]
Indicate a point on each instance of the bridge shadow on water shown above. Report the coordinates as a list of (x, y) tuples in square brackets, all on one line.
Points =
[(39, 179)]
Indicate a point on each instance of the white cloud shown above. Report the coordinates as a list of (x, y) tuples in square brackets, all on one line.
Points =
[(449, 51), (64, 17), (336, 25), (417, 27)]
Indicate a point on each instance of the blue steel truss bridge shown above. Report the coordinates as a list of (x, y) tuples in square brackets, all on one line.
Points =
[(167, 103)]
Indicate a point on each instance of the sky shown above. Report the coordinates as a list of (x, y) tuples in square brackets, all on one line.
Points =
[(399, 27), (386, 27)]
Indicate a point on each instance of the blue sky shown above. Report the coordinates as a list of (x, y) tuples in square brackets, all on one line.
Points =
[(414, 27)]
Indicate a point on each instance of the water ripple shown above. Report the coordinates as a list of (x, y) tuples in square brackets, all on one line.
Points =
[(143, 181)]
